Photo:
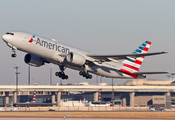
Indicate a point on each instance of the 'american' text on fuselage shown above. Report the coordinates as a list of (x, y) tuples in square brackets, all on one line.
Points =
[(52, 46)]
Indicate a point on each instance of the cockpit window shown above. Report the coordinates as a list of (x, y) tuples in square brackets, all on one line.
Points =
[(10, 33)]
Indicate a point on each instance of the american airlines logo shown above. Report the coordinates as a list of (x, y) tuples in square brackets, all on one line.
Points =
[(31, 40), (52, 46)]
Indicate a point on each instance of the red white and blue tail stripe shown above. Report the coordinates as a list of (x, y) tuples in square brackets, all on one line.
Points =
[(133, 64)]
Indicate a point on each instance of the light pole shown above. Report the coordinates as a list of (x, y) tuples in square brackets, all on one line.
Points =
[(51, 76), (97, 79), (60, 81), (172, 75), (112, 97), (100, 79), (16, 77), (168, 76), (29, 75)]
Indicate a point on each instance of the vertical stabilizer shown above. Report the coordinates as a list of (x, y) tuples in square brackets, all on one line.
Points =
[(133, 64)]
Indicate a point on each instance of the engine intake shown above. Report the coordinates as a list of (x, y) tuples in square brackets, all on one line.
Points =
[(33, 60), (76, 58)]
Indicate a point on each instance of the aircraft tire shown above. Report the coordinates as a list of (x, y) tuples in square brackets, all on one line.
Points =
[(56, 74), (90, 76), (60, 74), (13, 55), (80, 73), (66, 77), (83, 74)]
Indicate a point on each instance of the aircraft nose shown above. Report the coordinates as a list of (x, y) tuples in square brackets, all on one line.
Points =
[(5, 37)]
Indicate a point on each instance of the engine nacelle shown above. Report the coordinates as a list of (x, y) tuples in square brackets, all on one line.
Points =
[(33, 60), (76, 58)]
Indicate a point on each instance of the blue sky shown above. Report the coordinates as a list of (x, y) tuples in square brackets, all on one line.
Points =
[(99, 26)]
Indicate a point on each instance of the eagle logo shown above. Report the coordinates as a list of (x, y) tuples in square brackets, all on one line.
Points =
[(31, 40)]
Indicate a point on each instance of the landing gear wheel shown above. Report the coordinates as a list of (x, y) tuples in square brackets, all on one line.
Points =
[(90, 76), (14, 52), (80, 73), (59, 74), (64, 77), (56, 74), (85, 74), (14, 55)]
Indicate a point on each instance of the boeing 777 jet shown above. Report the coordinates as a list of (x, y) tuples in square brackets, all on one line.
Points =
[(41, 50)]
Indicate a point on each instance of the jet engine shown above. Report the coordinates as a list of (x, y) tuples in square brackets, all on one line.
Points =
[(33, 60), (76, 58)]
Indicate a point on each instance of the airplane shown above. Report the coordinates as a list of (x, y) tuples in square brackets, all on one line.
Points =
[(32, 103), (41, 50)]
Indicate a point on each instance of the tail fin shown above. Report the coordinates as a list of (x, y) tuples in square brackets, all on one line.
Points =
[(133, 64), (34, 96)]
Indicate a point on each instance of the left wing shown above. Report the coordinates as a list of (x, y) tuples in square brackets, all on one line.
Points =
[(115, 58)]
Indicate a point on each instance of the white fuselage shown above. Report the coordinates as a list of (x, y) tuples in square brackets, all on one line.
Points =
[(55, 52)]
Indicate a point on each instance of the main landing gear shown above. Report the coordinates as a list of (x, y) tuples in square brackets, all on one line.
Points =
[(14, 54), (85, 74), (61, 74)]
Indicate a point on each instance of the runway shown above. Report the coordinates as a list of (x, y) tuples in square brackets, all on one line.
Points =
[(25, 118), (60, 115)]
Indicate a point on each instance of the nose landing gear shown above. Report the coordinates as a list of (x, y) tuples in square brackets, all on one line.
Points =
[(14, 54)]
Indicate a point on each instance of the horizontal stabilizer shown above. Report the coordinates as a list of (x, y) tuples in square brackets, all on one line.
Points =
[(139, 73)]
